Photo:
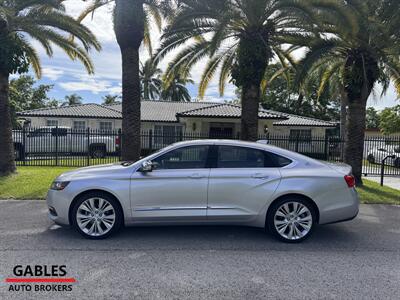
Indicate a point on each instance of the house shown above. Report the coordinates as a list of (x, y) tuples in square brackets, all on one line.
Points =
[(172, 118)]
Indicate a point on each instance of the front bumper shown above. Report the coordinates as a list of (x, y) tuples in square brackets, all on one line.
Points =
[(58, 204)]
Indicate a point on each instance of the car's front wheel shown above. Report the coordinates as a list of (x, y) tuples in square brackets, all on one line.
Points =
[(291, 220), (97, 215)]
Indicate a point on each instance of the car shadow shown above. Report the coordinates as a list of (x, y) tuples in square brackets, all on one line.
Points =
[(207, 238)]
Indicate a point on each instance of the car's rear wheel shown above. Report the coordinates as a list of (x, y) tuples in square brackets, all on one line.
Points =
[(291, 220), (97, 216)]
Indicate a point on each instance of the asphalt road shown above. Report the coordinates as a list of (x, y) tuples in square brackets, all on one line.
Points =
[(355, 260)]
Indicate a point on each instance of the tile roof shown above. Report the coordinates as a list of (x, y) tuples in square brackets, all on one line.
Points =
[(294, 120), (165, 111), (227, 110), (78, 111)]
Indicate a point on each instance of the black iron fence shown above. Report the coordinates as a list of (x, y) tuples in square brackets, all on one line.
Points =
[(59, 146)]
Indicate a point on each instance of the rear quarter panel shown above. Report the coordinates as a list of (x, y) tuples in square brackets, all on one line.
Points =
[(326, 187)]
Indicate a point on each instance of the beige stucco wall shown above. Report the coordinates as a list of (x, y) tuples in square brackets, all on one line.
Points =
[(69, 122), (285, 130)]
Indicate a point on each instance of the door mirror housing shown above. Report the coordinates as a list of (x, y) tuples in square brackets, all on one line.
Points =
[(147, 166)]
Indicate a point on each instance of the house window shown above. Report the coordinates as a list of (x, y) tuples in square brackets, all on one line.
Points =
[(302, 135), (167, 134), (79, 125), (52, 123), (105, 126)]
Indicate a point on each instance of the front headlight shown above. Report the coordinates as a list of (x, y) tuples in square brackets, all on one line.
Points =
[(59, 185)]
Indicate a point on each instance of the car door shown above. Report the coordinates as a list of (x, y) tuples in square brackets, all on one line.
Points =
[(176, 189), (241, 184)]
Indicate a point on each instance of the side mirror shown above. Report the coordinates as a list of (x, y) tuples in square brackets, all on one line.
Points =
[(147, 166)]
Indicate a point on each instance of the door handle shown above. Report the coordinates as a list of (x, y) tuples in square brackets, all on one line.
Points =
[(260, 176), (196, 176)]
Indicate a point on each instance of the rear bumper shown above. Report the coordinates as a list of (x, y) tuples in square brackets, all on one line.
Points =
[(344, 208)]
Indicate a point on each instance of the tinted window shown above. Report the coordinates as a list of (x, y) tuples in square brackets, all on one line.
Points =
[(194, 157), (279, 161), (240, 157)]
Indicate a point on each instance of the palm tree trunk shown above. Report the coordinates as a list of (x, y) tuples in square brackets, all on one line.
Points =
[(7, 160), (355, 134), (250, 102), (130, 105), (129, 30)]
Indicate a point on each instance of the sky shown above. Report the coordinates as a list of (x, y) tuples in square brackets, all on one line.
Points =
[(69, 77)]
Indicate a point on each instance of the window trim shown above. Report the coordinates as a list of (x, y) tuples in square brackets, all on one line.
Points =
[(52, 120), (105, 130), (84, 126)]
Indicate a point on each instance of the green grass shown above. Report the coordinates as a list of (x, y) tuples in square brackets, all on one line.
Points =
[(33, 183), (373, 193), (29, 182)]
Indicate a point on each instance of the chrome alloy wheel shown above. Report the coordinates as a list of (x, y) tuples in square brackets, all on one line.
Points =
[(95, 216), (293, 220)]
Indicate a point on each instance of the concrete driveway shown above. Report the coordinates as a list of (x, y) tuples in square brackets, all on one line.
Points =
[(355, 260)]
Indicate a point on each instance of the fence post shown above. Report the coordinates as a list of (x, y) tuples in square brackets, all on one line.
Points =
[(56, 145), (22, 155), (297, 142), (88, 147), (150, 141), (326, 150), (120, 143)]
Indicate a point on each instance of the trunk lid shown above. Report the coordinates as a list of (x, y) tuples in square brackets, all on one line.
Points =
[(342, 168)]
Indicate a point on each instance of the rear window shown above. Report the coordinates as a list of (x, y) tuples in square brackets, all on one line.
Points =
[(279, 161)]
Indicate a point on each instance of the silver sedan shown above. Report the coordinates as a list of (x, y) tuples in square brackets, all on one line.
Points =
[(207, 182)]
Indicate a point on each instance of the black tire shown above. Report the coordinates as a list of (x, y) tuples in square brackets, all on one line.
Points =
[(98, 151), (371, 159), (112, 201), (273, 210)]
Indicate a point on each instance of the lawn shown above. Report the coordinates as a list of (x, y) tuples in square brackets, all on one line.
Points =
[(33, 182), (29, 182), (373, 193)]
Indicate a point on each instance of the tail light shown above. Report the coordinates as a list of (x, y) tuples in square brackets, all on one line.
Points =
[(350, 180)]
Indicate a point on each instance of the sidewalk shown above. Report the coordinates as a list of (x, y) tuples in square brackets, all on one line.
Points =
[(393, 182)]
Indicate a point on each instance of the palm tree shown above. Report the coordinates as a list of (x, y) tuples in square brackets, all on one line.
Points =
[(176, 90), (361, 60), (240, 38), (111, 99), (72, 99), (150, 80), (21, 22), (132, 28)]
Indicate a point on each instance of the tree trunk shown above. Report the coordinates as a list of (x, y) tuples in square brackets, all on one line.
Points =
[(250, 105), (355, 134), (7, 159), (129, 30), (131, 105)]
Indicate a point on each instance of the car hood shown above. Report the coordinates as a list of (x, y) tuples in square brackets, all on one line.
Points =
[(96, 171)]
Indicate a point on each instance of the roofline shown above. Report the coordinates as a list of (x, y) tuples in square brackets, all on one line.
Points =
[(183, 114), (20, 114), (303, 125)]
